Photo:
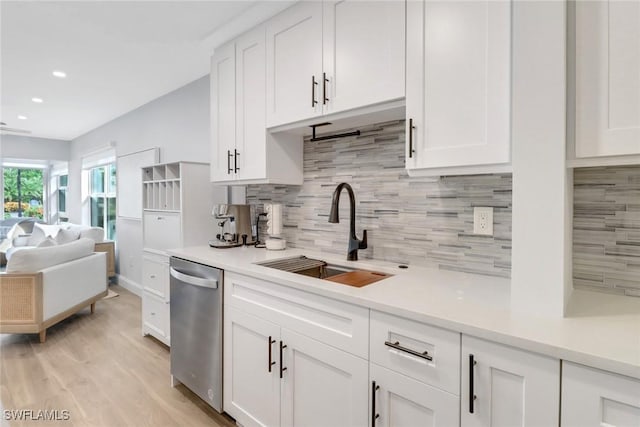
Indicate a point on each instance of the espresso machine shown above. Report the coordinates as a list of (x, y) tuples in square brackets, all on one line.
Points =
[(234, 226)]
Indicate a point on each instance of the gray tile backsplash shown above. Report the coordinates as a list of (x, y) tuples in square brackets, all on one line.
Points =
[(606, 229), (424, 221)]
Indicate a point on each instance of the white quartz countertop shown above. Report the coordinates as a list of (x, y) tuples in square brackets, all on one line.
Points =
[(600, 330)]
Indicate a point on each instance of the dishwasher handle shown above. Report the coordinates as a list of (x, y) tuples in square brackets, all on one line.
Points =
[(192, 280)]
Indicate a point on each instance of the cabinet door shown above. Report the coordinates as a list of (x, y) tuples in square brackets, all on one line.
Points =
[(155, 317), (591, 397), (250, 105), (322, 386), (251, 384), (223, 113), (363, 53), (511, 387), (458, 83), (401, 401), (155, 275), (162, 230), (607, 78), (294, 62)]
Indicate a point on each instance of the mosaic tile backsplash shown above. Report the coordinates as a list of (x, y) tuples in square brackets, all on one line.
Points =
[(420, 221), (606, 229)]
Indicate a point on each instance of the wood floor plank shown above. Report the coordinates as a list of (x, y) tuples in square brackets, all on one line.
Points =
[(101, 369)]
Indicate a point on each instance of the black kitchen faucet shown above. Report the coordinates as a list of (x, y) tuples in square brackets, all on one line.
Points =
[(354, 243)]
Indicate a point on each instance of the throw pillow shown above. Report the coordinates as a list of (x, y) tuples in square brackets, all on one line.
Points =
[(66, 236), (49, 241), (36, 237), (49, 230)]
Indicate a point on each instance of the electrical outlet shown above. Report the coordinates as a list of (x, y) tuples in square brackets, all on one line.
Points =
[(483, 221)]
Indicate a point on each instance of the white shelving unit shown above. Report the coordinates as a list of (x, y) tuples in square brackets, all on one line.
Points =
[(176, 213)]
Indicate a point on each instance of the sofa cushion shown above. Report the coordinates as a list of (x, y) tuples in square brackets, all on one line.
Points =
[(33, 260), (94, 233), (36, 237), (66, 236), (49, 241)]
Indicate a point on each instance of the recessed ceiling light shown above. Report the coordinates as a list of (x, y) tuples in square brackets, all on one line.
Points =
[(37, 100), (21, 117), (59, 74)]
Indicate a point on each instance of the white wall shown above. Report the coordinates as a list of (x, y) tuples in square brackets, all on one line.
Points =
[(178, 123), (27, 147)]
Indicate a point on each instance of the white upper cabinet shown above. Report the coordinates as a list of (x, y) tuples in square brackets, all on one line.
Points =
[(250, 106), (294, 64), (242, 150), (593, 398), (607, 78), (333, 56), (223, 112), (458, 86), (504, 386), (363, 53)]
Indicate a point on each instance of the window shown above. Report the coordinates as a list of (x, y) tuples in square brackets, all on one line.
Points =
[(23, 192), (62, 197), (102, 193)]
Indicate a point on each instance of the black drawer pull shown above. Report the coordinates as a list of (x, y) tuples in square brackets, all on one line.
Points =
[(397, 346)]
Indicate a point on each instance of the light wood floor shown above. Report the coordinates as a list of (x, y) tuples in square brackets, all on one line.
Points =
[(100, 369)]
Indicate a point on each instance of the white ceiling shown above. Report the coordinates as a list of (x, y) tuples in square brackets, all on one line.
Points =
[(117, 56)]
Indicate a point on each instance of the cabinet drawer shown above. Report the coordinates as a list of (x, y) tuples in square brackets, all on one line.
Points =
[(155, 277), (155, 315), (399, 344), (333, 322), (162, 230)]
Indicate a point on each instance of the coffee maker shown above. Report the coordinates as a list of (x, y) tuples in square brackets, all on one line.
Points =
[(234, 226)]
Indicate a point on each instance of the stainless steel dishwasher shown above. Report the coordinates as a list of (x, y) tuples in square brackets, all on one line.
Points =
[(196, 329)]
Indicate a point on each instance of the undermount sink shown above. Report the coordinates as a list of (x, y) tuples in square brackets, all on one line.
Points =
[(323, 270)]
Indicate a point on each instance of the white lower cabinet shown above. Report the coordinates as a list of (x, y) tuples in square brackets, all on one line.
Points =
[(251, 375), (505, 386), (321, 385), (276, 376), (155, 296), (400, 401), (591, 397)]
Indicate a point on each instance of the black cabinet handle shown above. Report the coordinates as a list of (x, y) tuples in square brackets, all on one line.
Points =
[(314, 83), (229, 155), (411, 128), (271, 342), (325, 80), (397, 346), (374, 414), (235, 160), (282, 368), (472, 396)]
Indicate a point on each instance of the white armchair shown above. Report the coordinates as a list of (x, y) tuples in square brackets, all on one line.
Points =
[(43, 286)]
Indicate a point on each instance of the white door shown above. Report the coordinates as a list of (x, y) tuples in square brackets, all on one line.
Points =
[(294, 64), (223, 113), (363, 53), (401, 401), (607, 78), (322, 386), (594, 398), (250, 105), (251, 381), (458, 83), (511, 387)]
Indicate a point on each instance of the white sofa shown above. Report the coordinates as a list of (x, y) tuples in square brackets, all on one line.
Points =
[(52, 235), (43, 286)]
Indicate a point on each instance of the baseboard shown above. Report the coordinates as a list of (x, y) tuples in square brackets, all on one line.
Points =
[(129, 285)]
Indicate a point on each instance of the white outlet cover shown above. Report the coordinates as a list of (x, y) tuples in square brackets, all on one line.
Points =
[(483, 221)]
